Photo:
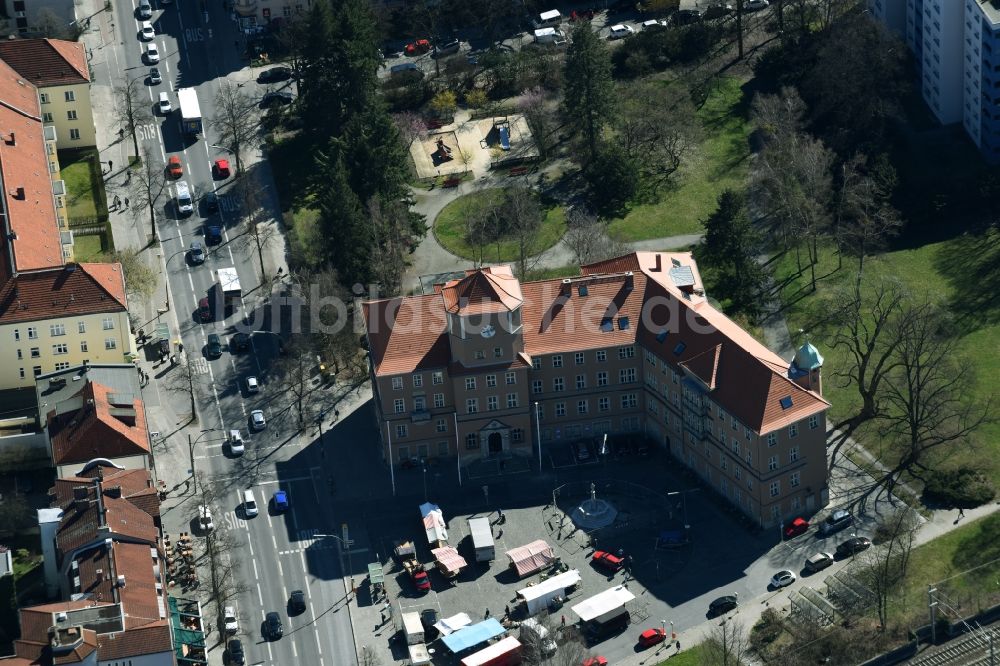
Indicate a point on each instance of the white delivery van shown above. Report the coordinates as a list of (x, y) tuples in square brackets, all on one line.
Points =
[(413, 628), (249, 504), (549, 18), (482, 539), (185, 204), (550, 36)]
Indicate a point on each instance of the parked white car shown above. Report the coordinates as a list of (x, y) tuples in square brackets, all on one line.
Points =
[(754, 5), (145, 9), (151, 54), (205, 518), (229, 618), (147, 32), (620, 31)]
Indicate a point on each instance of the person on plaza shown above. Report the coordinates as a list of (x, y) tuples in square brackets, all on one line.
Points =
[(486, 616), (564, 620), (126, 202)]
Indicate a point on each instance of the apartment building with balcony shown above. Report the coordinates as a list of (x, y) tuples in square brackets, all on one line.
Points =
[(956, 45), (489, 367), (59, 70)]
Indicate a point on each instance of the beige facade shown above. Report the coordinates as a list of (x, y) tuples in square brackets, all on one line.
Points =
[(254, 13), (68, 109), (47, 345), (492, 385)]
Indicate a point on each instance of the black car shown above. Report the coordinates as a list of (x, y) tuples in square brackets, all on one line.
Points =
[(276, 98), (722, 605), (686, 16), (274, 75), (214, 347), (211, 202), (297, 602), (852, 546), (236, 655), (213, 233), (241, 342), (272, 626)]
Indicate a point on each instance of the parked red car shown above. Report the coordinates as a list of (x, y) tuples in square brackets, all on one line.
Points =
[(220, 169), (609, 561), (595, 661), (174, 167), (651, 637), (796, 527), (418, 47), (421, 581), (581, 15)]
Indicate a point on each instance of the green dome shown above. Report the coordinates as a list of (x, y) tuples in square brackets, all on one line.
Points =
[(808, 357)]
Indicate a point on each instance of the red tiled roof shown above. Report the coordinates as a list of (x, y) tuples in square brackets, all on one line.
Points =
[(110, 277), (24, 170), (46, 62), (704, 365), (152, 638), (407, 333), (95, 431), (61, 292), (491, 289)]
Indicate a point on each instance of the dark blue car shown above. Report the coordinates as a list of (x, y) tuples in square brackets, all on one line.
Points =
[(280, 501)]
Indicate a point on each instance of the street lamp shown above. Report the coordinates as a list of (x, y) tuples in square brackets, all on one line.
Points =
[(191, 453), (423, 464), (683, 494), (346, 546)]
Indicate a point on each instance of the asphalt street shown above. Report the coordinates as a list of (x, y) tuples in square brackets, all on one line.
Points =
[(199, 47)]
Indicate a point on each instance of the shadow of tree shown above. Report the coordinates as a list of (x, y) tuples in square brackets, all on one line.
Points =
[(971, 265)]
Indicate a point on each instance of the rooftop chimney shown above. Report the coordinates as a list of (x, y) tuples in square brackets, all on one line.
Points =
[(19, 193), (11, 141), (629, 281), (656, 267)]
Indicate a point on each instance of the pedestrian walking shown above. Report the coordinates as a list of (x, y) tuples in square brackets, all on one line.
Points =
[(678, 646), (117, 201), (111, 165), (121, 134), (486, 616), (126, 202), (506, 610), (564, 620), (961, 513)]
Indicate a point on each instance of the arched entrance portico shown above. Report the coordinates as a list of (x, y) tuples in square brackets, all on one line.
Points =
[(494, 438), (495, 443)]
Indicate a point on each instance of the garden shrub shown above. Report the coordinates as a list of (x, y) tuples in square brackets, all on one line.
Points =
[(962, 487)]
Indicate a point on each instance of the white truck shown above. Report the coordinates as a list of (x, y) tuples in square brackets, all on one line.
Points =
[(229, 284), (190, 111)]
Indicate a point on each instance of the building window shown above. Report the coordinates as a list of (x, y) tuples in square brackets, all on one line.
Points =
[(498, 352), (32, 333), (70, 96), (735, 446), (81, 327), (510, 378), (738, 473), (813, 422), (793, 454), (516, 435), (60, 349), (74, 134), (796, 504), (723, 463), (793, 430), (749, 483), (20, 354), (772, 463), (491, 381), (401, 430), (471, 405), (439, 400), (651, 404), (437, 377), (794, 480), (418, 381), (36, 370), (511, 400), (471, 441), (20, 373), (602, 378), (492, 403), (603, 404), (480, 354), (536, 363), (581, 382), (749, 457), (772, 439), (626, 352), (397, 383), (442, 449), (626, 375), (560, 409), (71, 114), (558, 384), (736, 425), (748, 433), (536, 386), (629, 401), (581, 407), (35, 352), (17, 334), (83, 346), (470, 383), (578, 358), (775, 488), (46, 117), (44, 97), (557, 361), (286, 12), (442, 425), (399, 405), (110, 343), (602, 355)]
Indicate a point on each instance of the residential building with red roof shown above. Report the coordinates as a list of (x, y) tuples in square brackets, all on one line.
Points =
[(105, 558), (490, 368), (58, 70)]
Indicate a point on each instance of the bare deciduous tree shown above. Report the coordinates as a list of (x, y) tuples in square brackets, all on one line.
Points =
[(727, 644), (369, 657), (411, 126), (865, 216), (148, 184), (219, 546), (390, 222), (258, 232), (296, 371), (885, 564), (538, 108), (587, 237), (523, 214), (131, 110), (235, 120), (184, 379), (140, 279)]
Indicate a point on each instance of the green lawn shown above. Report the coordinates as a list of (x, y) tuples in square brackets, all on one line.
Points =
[(688, 657), (85, 198), (449, 229), (572, 270), (719, 162), (88, 248), (955, 272)]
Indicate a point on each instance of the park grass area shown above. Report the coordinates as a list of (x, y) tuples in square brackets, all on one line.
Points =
[(568, 271), (964, 565), (955, 272), (89, 248), (719, 162), (696, 656), (85, 197), (449, 229)]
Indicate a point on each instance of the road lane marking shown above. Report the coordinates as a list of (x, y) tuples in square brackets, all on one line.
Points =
[(260, 595)]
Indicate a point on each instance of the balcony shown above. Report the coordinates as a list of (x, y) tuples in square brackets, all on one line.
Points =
[(418, 415), (245, 7)]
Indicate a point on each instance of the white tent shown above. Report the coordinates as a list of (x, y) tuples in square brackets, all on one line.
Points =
[(452, 624), (599, 604), (537, 597), (551, 15), (434, 525)]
